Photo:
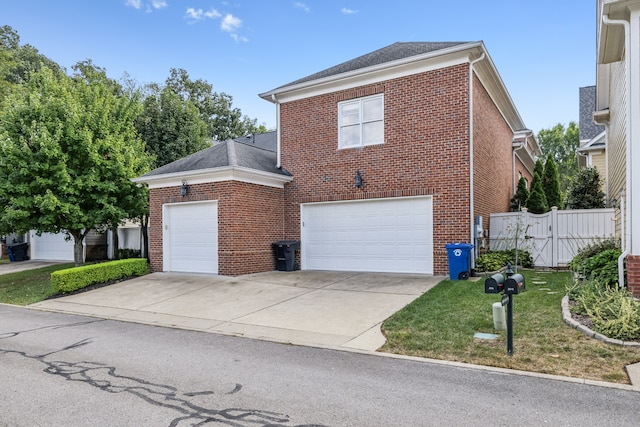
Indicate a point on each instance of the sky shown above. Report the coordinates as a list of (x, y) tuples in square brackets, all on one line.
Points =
[(544, 50)]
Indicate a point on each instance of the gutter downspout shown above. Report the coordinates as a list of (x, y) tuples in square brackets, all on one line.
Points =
[(278, 141), (627, 46), (515, 146), (623, 243), (471, 199)]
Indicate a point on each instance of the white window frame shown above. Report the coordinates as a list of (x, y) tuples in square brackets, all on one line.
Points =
[(361, 122)]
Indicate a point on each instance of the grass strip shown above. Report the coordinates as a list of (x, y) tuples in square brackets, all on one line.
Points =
[(28, 287), (441, 325)]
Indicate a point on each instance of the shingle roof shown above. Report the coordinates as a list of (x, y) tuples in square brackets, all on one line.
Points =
[(396, 51), (254, 152)]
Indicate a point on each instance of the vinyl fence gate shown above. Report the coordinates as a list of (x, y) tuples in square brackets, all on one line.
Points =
[(553, 238)]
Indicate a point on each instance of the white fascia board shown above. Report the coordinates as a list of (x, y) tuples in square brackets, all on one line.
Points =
[(442, 58), (204, 176)]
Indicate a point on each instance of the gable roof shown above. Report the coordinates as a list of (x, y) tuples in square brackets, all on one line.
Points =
[(394, 52)]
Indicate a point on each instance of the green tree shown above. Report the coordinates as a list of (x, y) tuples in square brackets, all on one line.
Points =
[(551, 183), (170, 126), (68, 148), (586, 190), (519, 200), (537, 202), (216, 110), (562, 143)]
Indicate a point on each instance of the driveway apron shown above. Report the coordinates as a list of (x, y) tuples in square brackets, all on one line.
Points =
[(319, 308)]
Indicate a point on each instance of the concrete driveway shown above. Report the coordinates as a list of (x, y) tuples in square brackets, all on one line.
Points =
[(319, 308)]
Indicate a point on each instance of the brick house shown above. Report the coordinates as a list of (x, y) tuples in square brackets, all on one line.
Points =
[(378, 163)]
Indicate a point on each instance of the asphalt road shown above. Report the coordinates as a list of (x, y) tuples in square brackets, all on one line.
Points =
[(62, 370)]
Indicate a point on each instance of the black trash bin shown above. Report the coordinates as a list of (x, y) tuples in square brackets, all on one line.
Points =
[(18, 251), (285, 253)]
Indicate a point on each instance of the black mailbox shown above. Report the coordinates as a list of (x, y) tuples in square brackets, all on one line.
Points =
[(514, 284), (494, 284)]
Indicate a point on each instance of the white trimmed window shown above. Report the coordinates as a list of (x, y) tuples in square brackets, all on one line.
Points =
[(361, 122)]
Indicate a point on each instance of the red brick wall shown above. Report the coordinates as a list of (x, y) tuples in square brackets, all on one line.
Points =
[(633, 274), (492, 157), (249, 220), (426, 151)]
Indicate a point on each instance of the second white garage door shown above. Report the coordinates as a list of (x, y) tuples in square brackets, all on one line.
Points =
[(386, 235), (190, 237)]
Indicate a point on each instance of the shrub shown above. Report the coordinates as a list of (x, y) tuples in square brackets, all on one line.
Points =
[(72, 279), (593, 249), (603, 267), (613, 311), (129, 253), (495, 260)]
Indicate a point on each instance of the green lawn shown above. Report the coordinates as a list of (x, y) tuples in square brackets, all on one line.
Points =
[(28, 287), (441, 325)]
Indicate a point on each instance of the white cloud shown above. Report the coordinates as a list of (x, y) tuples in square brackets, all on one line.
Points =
[(198, 14), (136, 4), (230, 23), (159, 4), (347, 11), (302, 6)]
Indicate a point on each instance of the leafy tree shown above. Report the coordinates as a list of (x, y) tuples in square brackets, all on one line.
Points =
[(223, 121), (562, 143), (586, 190), (68, 148), (537, 202), (551, 183), (519, 200), (170, 126), (19, 62)]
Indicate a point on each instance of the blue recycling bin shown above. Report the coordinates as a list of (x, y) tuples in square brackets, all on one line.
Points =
[(459, 260)]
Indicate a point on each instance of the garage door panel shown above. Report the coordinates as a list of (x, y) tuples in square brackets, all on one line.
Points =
[(394, 235), (190, 236)]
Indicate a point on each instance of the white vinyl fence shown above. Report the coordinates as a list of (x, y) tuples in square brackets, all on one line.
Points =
[(552, 238)]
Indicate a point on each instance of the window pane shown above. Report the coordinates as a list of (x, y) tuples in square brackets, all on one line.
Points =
[(350, 113), (373, 133), (350, 136), (372, 109)]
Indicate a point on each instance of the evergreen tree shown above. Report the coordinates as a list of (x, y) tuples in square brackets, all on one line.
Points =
[(538, 169), (519, 200), (586, 190), (537, 202), (551, 183)]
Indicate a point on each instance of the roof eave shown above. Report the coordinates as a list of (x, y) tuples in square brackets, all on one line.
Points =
[(227, 173), (269, 96)]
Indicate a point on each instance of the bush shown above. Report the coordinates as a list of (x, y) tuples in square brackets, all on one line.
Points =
[(591, 250), (613, 311), (129, 253), (495, 260), (72, 279), (603, 267)]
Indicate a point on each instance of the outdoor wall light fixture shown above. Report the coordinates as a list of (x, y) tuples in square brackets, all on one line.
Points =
[(358, 179), (184, 189)]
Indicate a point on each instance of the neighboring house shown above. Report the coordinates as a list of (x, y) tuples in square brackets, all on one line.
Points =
[(97, 247), (618, 109), (376, 165), (592, 150)]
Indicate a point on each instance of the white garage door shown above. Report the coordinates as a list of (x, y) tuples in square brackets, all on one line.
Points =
[(49, 246), (386, 235), (190, 237)]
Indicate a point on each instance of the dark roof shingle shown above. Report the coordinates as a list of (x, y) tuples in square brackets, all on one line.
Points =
[(394, 52)]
